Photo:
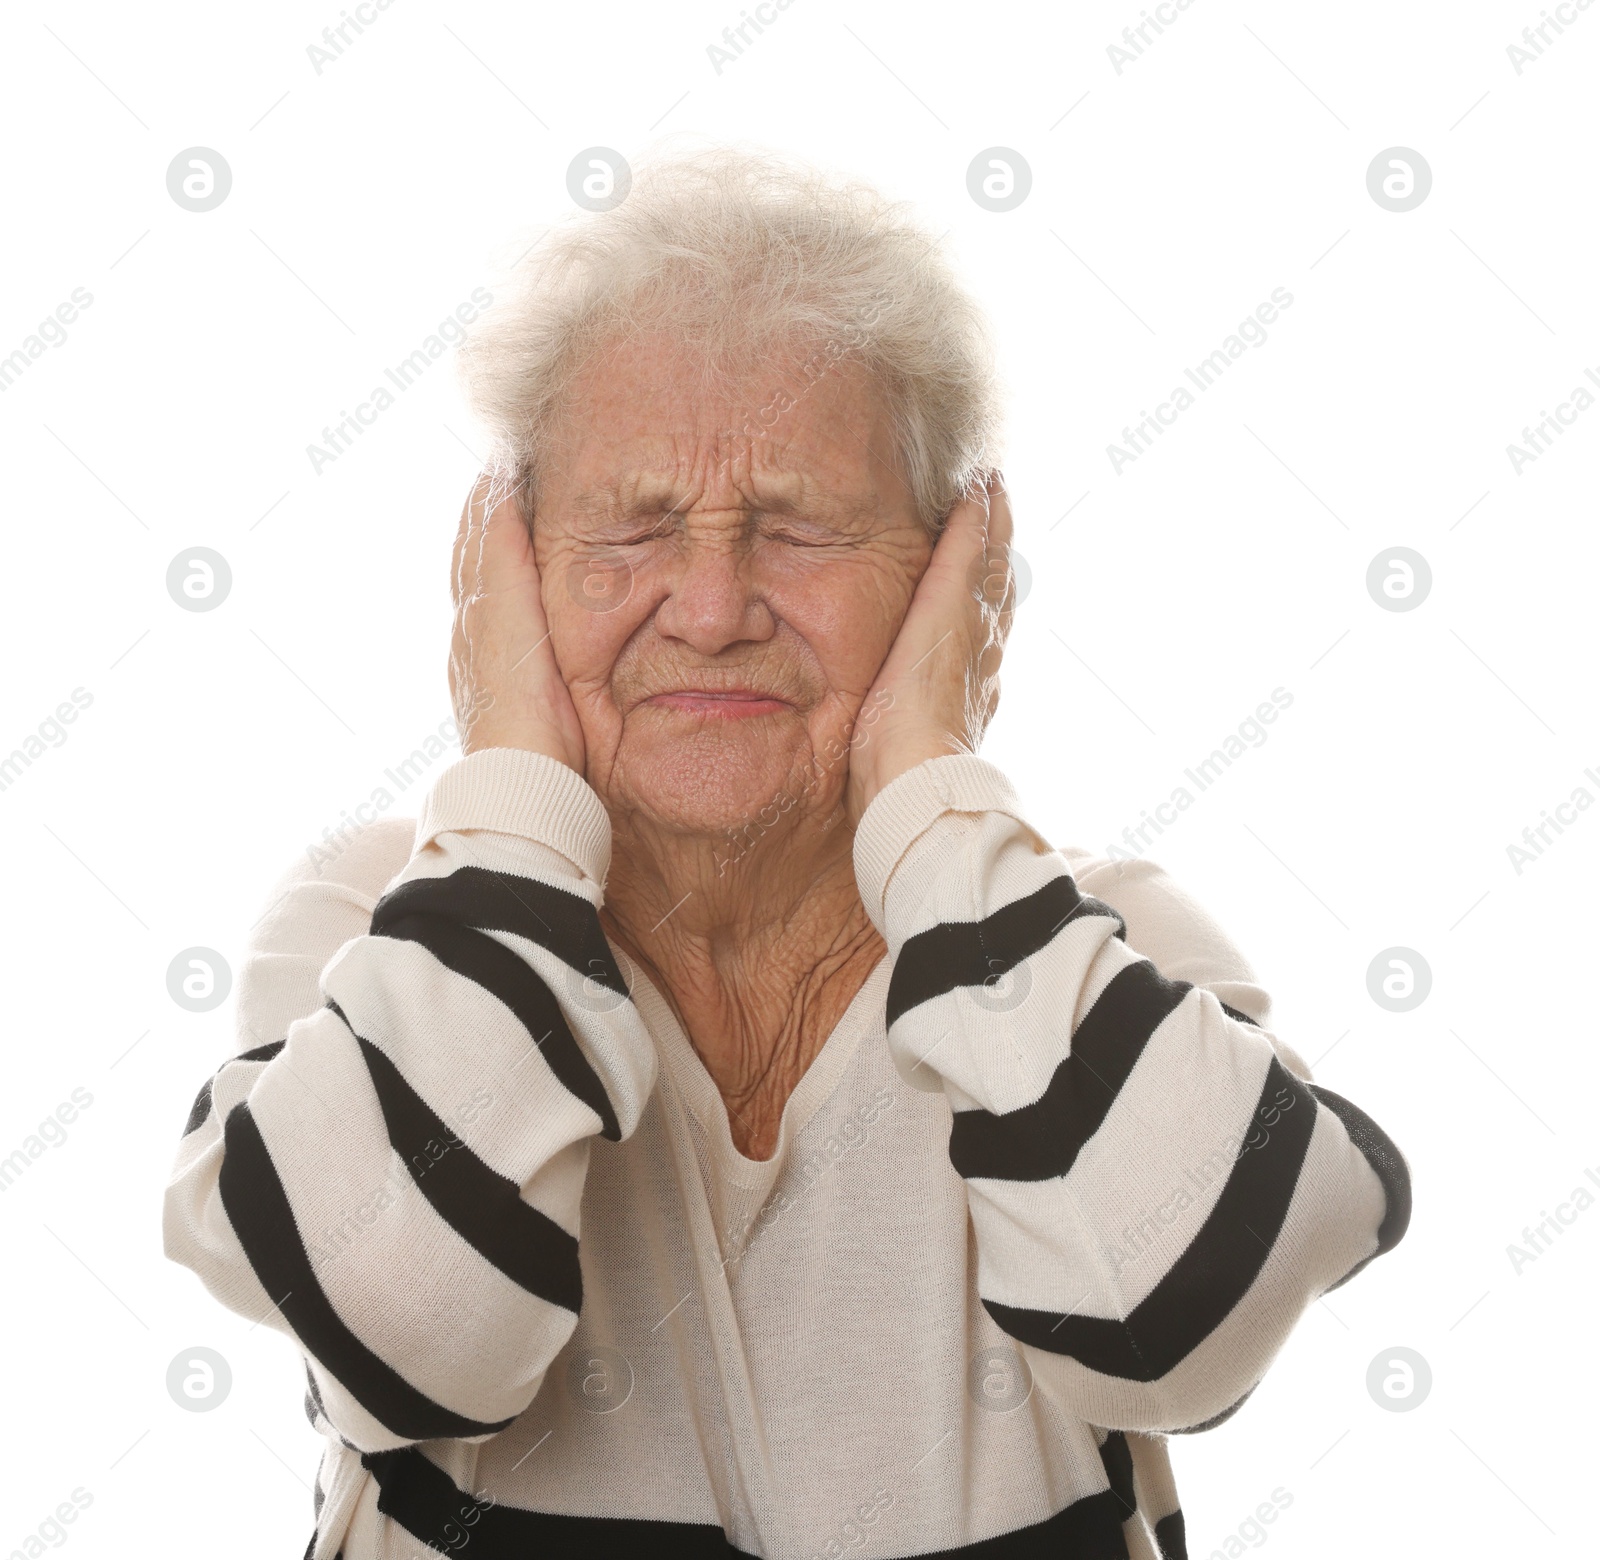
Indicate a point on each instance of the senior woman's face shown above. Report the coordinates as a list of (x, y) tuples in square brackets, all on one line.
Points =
[(722, 589)]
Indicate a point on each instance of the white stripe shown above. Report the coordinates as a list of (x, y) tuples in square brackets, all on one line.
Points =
[(400, 1278)]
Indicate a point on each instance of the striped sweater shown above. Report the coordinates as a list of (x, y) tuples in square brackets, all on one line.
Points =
[(1051, 1190)]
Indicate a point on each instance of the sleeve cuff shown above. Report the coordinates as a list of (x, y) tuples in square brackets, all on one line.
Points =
[(910, 804), (515, 791)]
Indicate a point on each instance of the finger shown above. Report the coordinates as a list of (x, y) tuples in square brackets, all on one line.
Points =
[(495, 552), (999, 511), (961, 548), (1000, 584), (468, 535)]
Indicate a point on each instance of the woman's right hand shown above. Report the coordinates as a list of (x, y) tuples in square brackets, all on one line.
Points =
[(505, 685)]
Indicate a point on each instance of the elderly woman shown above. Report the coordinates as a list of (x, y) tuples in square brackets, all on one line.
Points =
[(722, 1124)]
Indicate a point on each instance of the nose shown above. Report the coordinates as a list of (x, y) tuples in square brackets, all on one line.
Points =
[(713, 602)]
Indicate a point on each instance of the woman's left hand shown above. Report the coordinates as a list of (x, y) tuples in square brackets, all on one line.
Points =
[(939, 686)]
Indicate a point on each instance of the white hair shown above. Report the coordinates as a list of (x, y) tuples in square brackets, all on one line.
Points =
[(737, 251)]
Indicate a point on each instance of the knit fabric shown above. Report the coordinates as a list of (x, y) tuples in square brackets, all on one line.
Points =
[(1051, 1190)]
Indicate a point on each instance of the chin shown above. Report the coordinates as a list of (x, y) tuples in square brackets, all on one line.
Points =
[(715, 780)]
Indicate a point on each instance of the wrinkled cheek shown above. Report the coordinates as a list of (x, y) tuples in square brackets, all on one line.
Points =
[(837, 608), (587, 644), (596, 582)]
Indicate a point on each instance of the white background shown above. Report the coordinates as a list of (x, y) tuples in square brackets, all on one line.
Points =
[(1168, 600)]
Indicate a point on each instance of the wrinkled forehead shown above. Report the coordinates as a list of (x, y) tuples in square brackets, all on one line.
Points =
[(654, 477), (650, 425)]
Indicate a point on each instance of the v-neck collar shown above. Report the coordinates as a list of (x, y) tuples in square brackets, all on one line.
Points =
[(700, 1093)]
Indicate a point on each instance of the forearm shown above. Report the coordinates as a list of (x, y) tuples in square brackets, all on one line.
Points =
[(1156, 1196), (396, 1181)]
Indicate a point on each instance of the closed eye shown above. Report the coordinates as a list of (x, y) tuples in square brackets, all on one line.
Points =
[(793, 535), (643, 529)]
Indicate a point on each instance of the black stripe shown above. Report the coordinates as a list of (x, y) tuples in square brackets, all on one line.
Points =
[(517, 984), (1040, 1141), (1170, 1537), (1117, 1458), (970, 953), (482, 1206), (565, 924), (261, 1053), (1209, 1279), (259, 1211), (1388, 1164), (314, 1406), (200, 1109), (1234, 1013), (425, 1501), (202, 1101)]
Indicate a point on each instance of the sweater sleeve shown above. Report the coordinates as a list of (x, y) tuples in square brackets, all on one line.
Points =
[(393, 1176), (1156, 1188)]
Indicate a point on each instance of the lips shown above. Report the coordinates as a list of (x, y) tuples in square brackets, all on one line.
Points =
[(720, 703)]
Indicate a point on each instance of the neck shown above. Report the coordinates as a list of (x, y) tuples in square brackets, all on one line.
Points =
[(758, 954)]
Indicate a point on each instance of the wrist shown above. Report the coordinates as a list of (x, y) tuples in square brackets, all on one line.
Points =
[(883, 760), (515, 791), (483, 729), (912, 803)]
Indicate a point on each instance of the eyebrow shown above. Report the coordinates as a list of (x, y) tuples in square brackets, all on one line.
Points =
[(649, 492)]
